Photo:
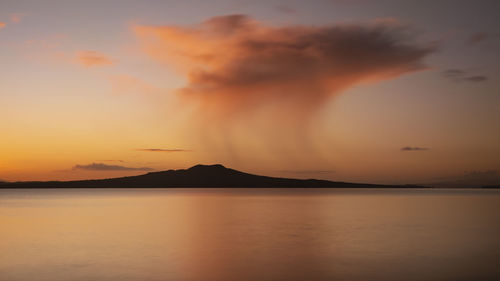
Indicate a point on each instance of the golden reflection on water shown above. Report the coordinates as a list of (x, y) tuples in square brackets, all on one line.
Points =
[(250, 235)]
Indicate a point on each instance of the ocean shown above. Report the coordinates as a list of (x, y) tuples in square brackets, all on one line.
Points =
[(249, 234)]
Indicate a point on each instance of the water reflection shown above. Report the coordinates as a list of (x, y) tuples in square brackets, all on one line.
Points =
[(249, 235)]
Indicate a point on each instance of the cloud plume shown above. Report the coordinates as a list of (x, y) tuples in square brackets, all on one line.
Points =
[(105, 167), (239, 69)]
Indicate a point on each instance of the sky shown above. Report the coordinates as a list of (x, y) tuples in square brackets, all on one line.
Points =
[(382, 91)]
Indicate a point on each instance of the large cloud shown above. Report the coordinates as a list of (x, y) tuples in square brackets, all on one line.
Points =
[(237, 67)]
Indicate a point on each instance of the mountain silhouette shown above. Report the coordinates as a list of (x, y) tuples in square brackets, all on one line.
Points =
[(196, 176)]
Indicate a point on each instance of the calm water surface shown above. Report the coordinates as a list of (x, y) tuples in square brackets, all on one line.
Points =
[(194, 235)]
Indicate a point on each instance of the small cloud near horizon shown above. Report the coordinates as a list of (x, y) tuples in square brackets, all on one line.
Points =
[(163, 150), (414, 148), (105, 167), (460, 75), (477, 78), (93, 58)]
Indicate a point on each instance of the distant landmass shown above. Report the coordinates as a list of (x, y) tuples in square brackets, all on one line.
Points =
[(197, 176)]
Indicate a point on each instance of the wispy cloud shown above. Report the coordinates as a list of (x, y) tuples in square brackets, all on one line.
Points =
[(481, 37), (285, 9), (49, 42), (93, 58), (126, 84), (16, 17), (476, 38), (414, 148), (470, 179), (481, 177), (2, 24), (105, 167), (476, 78), (163, 150), (484, 173), (452, 73), (461, 75)]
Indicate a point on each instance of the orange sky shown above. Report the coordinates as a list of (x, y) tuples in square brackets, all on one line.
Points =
[(354, 93)]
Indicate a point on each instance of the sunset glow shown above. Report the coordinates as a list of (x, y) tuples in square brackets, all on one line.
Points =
[(368, 92)]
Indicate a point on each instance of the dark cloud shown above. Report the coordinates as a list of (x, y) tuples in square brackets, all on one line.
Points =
[(460, 75), (285, 9), (163, 150), (477, 38), (481, 37), (477, 78), (274, 79), (414, 148), (104, 167), (236, 64)]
